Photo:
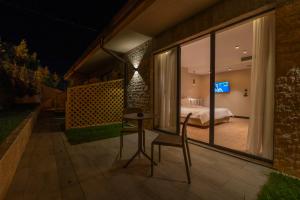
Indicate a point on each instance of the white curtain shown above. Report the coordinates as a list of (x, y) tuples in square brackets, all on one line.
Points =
[(260, 135), (166, 90)]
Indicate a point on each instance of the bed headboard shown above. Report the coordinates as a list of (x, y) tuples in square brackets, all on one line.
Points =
[(191, 101)]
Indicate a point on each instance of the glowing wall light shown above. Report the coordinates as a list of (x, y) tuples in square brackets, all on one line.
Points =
[(136, 55)]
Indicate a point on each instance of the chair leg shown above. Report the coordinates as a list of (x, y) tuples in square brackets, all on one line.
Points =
[(186, 164), (152, 160), (159, 153), (121, 145), (188, 153)]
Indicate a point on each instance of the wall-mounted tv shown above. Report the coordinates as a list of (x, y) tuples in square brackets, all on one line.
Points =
[(222, 87)]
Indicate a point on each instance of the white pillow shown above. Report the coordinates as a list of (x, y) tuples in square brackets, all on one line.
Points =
[(196, 102), (185, 102)]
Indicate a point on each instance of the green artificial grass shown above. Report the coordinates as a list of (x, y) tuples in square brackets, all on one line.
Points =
[(11, 118), (280, 187), (82, 135)]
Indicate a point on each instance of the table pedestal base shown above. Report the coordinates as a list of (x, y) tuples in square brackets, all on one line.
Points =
[(141, 148), (138, 153)]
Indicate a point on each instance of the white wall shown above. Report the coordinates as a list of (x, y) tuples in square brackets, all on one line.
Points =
[(234, 100), (199, 90)]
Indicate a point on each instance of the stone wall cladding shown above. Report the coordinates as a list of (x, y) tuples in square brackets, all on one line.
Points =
[(139, 89), (287, 137), (287, 90), (139, 80)]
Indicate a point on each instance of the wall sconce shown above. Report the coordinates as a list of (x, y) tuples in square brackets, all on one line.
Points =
[(245, 93), (194, 82), (135, 66)]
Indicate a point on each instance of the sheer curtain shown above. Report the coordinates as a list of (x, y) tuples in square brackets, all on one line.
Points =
[(166, 90), (260, 135)]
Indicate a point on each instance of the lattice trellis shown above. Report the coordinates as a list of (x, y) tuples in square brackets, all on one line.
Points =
[(94, 104)]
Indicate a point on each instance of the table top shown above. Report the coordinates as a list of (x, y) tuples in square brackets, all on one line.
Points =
[(134, 116)]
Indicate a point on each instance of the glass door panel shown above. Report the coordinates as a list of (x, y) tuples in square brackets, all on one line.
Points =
[(244, 89), (195, 87)]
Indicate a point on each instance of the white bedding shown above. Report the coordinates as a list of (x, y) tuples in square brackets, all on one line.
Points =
[(202, 113)]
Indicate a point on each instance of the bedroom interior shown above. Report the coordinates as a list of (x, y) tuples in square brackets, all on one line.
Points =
[(244, 72)]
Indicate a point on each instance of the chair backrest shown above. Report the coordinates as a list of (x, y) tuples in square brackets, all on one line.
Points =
[(185, 123)]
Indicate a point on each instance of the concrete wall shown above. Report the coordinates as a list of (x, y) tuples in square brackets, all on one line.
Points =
[(12, 150)]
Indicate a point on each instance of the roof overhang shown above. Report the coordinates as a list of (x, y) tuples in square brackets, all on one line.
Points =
[(138, 22), (158, 17), (89, 63)]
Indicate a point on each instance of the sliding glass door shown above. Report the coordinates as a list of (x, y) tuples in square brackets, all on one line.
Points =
[(226, 80), (195, 87), (166, 91), (244, 87)]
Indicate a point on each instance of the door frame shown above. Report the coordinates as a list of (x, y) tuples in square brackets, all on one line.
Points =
[(212, 34)]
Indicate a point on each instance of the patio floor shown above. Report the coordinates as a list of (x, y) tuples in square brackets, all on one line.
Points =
[(52, 169)]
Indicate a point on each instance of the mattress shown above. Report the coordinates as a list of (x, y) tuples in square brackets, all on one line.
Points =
[(200, 114)]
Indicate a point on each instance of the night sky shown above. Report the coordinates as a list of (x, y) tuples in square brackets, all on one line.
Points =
[(58, 30)]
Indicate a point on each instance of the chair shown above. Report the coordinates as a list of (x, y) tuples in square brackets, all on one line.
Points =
[(131, 128), (174, 141)]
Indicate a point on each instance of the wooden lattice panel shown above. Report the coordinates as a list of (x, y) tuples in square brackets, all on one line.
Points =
[(94, 104)]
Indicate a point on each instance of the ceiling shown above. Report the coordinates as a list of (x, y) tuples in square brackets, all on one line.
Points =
[(92, 62), (158, 17), (196, 55)]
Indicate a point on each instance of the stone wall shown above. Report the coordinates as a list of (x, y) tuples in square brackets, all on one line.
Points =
[(139, 86), (139, 79), (287, 90)]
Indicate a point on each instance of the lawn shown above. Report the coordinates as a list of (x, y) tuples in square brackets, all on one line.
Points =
[(280, 187), (82, 135), (10, 119)]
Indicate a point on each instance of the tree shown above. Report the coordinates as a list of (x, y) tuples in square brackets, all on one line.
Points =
[(56, 79), (23, 75), (45, 72), (21, 53), (38, 78), (33, 62)]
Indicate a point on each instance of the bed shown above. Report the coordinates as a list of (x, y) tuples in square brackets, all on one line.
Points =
[(200, 114)]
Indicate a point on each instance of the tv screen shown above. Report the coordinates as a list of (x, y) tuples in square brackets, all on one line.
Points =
[(222, 87)]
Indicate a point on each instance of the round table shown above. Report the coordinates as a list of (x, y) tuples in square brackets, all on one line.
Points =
[(133, 116)]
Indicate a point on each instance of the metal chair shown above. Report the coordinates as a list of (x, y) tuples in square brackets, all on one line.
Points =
[(128, 128), (175, 141)]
